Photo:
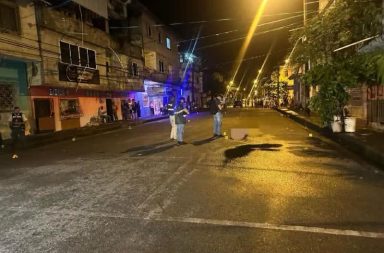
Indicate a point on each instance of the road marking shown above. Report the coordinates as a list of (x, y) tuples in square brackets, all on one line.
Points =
[(163, 186), (211, 222), (243, 224)]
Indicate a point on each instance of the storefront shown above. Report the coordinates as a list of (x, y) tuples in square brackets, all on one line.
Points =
[(57, 109), (154, 98)]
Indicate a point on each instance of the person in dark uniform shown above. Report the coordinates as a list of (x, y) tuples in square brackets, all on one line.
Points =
[(180, 119), (138, 109), (17, 122)]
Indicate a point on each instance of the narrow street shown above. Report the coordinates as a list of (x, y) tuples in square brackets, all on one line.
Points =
[(132, 190)]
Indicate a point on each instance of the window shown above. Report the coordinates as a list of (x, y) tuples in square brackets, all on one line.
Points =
[(286, 73), (7, 97), (9, 17), (168, 43), (161, 66), (159, 38), (149, 30), (70, 108), (79, 56), (83, 56), (74, 53), (135, 70)]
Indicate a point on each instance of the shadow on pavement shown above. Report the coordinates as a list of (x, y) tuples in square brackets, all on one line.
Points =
[(245, 150), (204, 141), (313, 152)]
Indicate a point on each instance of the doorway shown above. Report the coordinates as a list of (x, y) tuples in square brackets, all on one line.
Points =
[(44, 115), (109, 104)]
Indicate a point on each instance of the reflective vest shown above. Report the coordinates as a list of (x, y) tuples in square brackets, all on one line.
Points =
[(171, 109), (17, 120)]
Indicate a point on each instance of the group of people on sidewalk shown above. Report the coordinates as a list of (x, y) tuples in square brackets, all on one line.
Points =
[(130, 110), (178, 113)]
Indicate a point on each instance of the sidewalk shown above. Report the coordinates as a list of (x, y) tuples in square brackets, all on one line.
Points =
[(46, 138), (366, 142)]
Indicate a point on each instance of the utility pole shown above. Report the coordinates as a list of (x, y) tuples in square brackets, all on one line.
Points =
[(278, 87), (304, 67)]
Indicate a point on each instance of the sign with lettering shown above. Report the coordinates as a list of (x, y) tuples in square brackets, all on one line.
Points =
[(78, 74)]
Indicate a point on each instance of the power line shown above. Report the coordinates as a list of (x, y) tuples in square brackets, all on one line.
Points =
[(237, 30), (243, 37), (199, 22)]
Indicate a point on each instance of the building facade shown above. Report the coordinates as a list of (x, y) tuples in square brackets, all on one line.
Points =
[(192, 80), (20, 60), (161, 58), (61, 65)]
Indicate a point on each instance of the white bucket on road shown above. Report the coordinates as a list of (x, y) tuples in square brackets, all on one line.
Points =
[(337, 127), (350, 124)]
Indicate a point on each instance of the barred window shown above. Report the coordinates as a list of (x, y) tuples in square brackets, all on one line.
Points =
[(7, 97), (76, 55), (9, 16)]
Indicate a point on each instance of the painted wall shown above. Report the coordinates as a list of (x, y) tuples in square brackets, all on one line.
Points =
[(14, 73), (23, 45)]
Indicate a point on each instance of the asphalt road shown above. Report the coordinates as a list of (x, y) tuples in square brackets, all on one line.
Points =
[(132, 190)]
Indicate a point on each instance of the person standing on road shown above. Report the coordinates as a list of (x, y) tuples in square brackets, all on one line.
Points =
[(180, 118), (114, 108), (138, 109), (134, 109), (171, 112), (17, 122), (216, 107)]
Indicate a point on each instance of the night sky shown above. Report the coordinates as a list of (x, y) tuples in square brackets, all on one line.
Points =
[(220, 57)]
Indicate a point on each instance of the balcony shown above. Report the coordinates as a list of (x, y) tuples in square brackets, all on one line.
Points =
[(123, 80), (64, 21), (161, 77)]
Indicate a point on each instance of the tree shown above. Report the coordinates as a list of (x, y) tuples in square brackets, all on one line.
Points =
[(333, 71)]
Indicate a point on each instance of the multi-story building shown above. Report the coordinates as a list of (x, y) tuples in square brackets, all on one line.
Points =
[(302, 92), (161, 58), (20, 59), (192, 80), (84, 67), (60, 63), (285, 72)]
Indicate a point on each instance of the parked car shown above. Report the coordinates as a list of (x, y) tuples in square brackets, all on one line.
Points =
[(238, 103)]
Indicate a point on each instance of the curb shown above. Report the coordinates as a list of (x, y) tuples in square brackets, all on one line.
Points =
[(32, 141), (347, 140)]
